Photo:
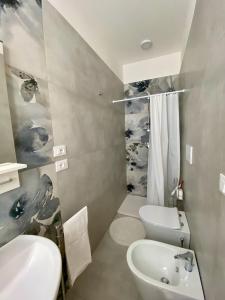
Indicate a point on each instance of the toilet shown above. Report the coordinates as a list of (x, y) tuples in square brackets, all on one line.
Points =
[(165, 224)]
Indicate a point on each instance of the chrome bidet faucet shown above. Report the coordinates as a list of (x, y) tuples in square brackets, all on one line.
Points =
[(188, 257)]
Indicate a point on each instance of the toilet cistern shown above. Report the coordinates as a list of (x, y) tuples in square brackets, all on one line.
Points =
[(188, 257)]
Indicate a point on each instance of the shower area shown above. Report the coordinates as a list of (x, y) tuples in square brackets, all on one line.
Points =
[(138, 127)]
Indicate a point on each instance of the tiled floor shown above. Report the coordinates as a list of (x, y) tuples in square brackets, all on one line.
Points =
[(108, 277)]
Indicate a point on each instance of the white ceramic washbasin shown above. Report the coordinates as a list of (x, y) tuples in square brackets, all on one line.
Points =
[(151, 261), (30, 268)]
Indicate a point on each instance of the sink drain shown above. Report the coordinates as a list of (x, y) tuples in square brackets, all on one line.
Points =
[(165, 280)]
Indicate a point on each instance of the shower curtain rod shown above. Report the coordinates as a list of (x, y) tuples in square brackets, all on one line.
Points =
[(148, 96)]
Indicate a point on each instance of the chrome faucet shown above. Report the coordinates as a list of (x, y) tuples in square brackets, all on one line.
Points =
[(188, 257)]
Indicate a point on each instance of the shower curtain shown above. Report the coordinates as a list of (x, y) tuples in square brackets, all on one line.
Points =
[(164, 150)]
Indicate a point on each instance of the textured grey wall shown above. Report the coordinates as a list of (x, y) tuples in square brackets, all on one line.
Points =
[(88, 124), (203, 124)]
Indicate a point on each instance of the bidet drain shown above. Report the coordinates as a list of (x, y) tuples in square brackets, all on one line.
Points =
[(165, 280)]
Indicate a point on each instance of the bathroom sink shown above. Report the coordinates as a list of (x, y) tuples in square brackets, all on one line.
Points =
[(30, 268), (159, 276)]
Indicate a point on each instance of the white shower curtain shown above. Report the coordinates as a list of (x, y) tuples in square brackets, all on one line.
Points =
[(164, 150)]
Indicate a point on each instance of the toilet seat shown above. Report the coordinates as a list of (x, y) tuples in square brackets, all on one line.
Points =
[(160, 216)]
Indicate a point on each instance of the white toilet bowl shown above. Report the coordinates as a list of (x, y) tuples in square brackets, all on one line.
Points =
[(165, 224)]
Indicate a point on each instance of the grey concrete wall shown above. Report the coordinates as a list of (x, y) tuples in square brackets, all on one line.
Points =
[(203, 124), (89, 125)]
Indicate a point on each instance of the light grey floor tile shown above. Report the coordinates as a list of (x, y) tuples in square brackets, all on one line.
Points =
[(108, 277)]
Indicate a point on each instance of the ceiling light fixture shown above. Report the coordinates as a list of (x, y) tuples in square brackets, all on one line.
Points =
[(146, 44)]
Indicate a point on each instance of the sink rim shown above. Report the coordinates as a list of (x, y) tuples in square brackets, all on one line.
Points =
[(30, 243), (179, 289)]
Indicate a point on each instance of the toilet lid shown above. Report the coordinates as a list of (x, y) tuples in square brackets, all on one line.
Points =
[(160, 215), (131, 205), (126, 230)]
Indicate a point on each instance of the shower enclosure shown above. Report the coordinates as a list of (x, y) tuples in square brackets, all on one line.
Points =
[(137, 129)]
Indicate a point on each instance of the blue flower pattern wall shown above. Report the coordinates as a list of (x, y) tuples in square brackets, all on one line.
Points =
[(33, 207), (137, 129), (31, 119)]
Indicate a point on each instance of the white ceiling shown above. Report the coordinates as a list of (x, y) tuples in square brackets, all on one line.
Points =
[(115, 28)]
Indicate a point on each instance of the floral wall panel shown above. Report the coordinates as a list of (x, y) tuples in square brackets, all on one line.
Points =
[(31, 119), (22, 34), (33, 207), (137, 129)]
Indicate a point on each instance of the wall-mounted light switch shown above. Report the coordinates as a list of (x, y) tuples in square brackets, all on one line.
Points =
[(189, 154), (59, 150), (61, 165), (222, 184)]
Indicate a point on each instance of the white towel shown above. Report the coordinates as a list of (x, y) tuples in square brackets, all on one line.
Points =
[(77, 245)]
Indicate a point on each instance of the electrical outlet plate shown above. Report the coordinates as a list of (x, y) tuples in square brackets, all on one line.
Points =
[(222, 184), (189, 154), (61, 165), (59, 150)]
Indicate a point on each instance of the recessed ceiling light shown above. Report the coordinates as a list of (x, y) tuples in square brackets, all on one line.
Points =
[(146, 44)]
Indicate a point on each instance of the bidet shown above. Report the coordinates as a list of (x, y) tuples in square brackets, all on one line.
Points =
[(188, 257), (159, 276)]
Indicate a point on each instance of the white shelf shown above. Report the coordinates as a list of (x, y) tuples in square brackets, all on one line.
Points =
[(9, 177), (11, 167)]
